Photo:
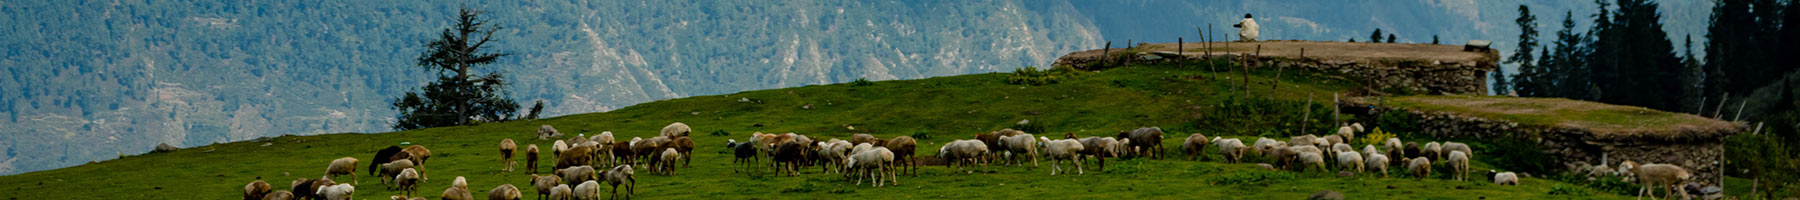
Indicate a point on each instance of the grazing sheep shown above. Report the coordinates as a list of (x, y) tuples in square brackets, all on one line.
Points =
[(588, 190), (1379, 163), (1195, 145), (833, 153), (562, 192), (1505, 178), (1420, 167), (1064, 149), (1625, 170), (390, 169), (1459, 164), (506, 152), (1283, 156), (309, 189), (1341, 147), (742, 152), (648, 148), (1264, 146), (418, 155), (337, 192), (991, 141), (576, 174), (1232, 149), (1669, 176), (1334, 139), (457, 193), (669, 156), (505, 192), (622, 153), (279, 195), (1351, 161), (621, 174), (256, 190), (1145, 140), (1099, 148), (408, 180), (1311, 160), (1304, 140), (1370, 149), (788, 157), (1348, 132), (577, 140), (384, 156), (1458, 146), (1433, 150), (1020, 147), (874, 160), (1395, 149), (558, 147), (962, 153), (604, 142), (904, 148), (676, 129), (580, 155), (342, 166), (685, 146), (460, 182), (543, 184), (1412, 149), (861, 138), (546, 132), (531, 157)]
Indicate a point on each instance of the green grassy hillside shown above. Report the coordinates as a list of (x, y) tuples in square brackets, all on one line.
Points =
[(943, 108)]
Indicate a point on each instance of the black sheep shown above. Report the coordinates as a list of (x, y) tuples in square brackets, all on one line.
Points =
[(383, 156)]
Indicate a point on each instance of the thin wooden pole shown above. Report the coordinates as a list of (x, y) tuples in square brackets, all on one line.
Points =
[(1740, 112), (1308, 115), (1334, 108), (1180, 56), (1718, 112), (1207, 36), (1106, 54), (1248, 61)]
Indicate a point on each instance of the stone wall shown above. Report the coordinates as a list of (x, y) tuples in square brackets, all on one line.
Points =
[(1703, 157), (1405, 76)]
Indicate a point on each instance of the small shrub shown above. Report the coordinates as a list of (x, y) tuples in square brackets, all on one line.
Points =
[(1560, 189), (1401, 122), (1033, 76), (861, 82), (1376, 137), (720, 133)]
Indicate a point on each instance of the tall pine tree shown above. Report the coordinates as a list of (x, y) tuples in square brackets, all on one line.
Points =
[(1522, 55), (459, 95), (1375, 37), (1639, 67), (1570, 77)]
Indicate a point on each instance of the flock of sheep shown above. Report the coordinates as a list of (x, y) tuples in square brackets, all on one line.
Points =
[(583, 163)]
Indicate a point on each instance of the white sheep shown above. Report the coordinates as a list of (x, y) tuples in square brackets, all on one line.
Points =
[(1433, 150), (337, 192), (1459, 164), (1232, 149), (1099, 148), (962, 153), (1505, 178), (408, 180), (388, 170), (1195, 146), (457, 193), (1311, 160), (875, 160), (1379, 163), (1370, 149), (342, 166), (1264, 145), (556, 148), (604, 153), (1020, 147), (562, 192), (669, 156), (1458, 146), (460, 182), (506, 153), (676, 129), (589, 190), (1666, 175), (576, 174), (546, 132), (1351, 161), (1395, 148), (1064, 149), (1420, 167), (620, 175), (833, 153)]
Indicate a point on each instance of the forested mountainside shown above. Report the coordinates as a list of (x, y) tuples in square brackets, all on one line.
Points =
[(93, 79)]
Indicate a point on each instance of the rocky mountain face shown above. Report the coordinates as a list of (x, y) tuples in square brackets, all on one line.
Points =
[(94, 80)]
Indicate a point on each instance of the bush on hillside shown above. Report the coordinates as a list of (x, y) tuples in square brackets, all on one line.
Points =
[(1033, 76), (1266, 117)]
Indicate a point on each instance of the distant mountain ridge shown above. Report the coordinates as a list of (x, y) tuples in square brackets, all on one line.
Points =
[(92, 80)]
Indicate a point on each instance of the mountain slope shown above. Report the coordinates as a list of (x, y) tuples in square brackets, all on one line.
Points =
[(942, 109)]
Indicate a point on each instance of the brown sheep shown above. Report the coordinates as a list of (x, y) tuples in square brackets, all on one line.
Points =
[(419, 155), (575, 156), (668, 157), (342, 166), (544, 183), (861, 138), (256, 190), (1420, 167), (903, 148), (531, 157), (505, 192), (648, 148), (279, 195), (390, 169), (309, 189), (1195, 146), (685, 146), (506, 153), (621, 152), (788, 157)]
